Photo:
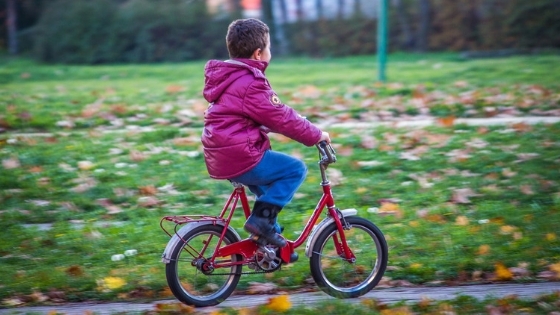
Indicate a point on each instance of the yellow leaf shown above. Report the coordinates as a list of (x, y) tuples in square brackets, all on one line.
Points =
[(279, 303), (502, 272), (245, 311), (414, 223), (555, 268), (507, 229), (462, 220), (550, 237), (416, 266), (361, 190), (390, 208), (483, 249), (113, 283), (402, 310)]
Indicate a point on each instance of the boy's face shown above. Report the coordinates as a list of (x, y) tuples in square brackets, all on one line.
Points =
[(263, 54)]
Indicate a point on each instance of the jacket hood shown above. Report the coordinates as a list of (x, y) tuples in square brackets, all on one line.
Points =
[(219, 75)]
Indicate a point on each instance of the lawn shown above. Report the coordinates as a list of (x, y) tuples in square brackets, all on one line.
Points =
[(93, 157)]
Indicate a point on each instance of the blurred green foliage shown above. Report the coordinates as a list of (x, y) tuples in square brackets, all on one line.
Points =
[(133, 31), (105, 31)]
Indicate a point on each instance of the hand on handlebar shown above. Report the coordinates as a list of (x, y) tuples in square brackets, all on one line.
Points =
[(325, 137)]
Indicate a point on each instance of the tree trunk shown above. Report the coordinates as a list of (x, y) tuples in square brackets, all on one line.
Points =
[(319, 8), (406, 40), (280, 21), (11, 23), (340, 9), (424, 28), (299, 10)]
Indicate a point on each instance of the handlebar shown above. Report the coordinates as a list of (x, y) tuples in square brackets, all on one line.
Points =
[(327, 155)]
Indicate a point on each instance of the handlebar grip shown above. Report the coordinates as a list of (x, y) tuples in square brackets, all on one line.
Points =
[(327, 153)]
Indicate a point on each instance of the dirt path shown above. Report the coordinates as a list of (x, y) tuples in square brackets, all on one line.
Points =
[(389, 295)]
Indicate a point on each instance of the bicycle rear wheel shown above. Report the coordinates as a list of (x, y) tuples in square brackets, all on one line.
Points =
[(343, 279), (190, 275)]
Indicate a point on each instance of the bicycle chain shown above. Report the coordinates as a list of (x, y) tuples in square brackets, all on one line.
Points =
[(243, 273)]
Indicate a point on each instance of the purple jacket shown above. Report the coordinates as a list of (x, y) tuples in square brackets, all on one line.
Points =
[(242, 106)]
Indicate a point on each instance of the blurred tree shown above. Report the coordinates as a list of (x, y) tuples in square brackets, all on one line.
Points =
[(173, 30), (319, 8), (405, 40), (534, 23), (11, 23), (341, 4), (422, 42)]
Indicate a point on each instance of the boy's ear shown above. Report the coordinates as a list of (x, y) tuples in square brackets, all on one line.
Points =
[(256, 54)]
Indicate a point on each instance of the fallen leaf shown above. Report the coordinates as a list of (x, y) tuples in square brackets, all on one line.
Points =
[(401, 310), (483, 249), (462, 195), (502, 272), (137, 156), (172, 89), (279, 303), (389, 208), (75, 271), (527, 190), (110, 283), (507, 229), (555, 268), (522, 127), (261, 288), (446, 121), (148, 201), (462, 220), (174, 308), (149, 190), (85, 165), (12, 302), (11, 163)]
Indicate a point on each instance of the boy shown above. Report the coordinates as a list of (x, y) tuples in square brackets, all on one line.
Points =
[(243, 109)]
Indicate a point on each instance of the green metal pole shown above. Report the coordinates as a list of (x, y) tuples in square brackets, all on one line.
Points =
[(382, 40)]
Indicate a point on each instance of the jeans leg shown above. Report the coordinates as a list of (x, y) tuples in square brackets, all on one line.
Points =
[(278, 176)]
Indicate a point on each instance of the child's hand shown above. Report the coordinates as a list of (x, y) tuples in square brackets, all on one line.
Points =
[(325, 137)]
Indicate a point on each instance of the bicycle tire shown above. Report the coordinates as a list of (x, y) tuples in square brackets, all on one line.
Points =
[(335, 275), (187, 282)]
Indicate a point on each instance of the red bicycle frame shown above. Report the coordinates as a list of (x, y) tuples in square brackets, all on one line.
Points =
[(247, 247)]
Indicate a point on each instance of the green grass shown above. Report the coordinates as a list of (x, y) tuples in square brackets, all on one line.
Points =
[(99, 115)]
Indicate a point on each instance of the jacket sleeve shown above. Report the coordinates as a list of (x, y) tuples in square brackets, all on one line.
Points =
[(263, 106)]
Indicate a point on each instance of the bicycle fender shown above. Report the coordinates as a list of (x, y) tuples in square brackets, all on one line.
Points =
[(175, 239), (321, 226)]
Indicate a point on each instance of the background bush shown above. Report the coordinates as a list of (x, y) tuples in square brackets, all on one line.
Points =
[(105, 31), (116, 31)]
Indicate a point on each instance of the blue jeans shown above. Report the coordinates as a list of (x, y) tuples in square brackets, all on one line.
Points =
[(275, 179)]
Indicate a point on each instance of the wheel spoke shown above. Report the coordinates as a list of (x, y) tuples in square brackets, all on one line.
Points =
[(191, 275), (337, 275)]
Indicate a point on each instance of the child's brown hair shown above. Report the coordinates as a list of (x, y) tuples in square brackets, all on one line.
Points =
[(244, 36)]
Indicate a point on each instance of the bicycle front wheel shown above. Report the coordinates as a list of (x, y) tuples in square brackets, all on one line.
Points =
[(337, 276), (191, 276)]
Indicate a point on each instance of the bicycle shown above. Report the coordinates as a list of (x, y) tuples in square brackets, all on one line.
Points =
[(204, 258)]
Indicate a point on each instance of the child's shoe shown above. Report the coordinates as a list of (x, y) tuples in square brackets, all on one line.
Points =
[(261, 223)]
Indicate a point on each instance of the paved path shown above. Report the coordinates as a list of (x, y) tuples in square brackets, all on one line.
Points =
[(390, 295), (405, 123)]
